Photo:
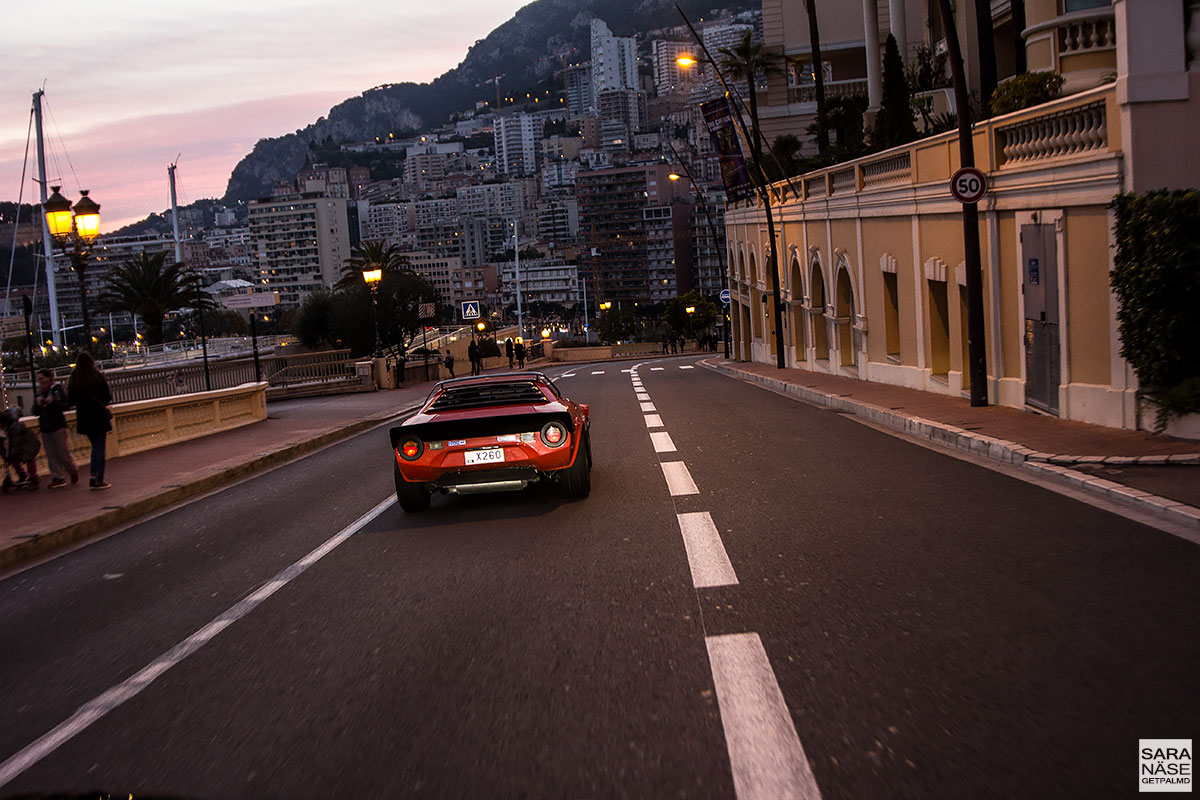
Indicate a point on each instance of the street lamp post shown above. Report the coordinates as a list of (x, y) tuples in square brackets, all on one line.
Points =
[(761, 183), (373, 277), (712, 230), (74, 228)]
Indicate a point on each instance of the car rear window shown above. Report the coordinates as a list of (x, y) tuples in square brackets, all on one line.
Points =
[(489, 394)]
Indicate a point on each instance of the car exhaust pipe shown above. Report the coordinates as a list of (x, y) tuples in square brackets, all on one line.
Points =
[(490, 486)]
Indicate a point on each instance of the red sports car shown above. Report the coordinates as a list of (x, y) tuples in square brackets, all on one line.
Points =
[(488, 434)]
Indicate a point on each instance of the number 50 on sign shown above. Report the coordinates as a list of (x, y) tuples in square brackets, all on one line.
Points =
[(968, 185)]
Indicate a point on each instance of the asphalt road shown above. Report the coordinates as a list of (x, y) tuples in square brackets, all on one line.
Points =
[(864, 618)]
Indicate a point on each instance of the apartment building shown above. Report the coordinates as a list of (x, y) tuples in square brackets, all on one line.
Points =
[(871, 263), (612, 229), (614, 61), (516, 137), (300, 243)]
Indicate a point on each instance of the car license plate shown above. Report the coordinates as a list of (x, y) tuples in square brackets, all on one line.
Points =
[(485, 456)]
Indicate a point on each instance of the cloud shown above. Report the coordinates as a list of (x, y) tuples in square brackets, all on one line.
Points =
[(124, 164)]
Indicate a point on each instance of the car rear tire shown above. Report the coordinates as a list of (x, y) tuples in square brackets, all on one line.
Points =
[(411, 496), (577, 478)]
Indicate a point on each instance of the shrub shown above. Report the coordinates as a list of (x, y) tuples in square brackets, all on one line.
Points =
[(1025, 90), (1155, 280)]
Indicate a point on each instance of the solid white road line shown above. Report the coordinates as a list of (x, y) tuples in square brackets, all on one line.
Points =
[(654, 421), (648, 406), (114, 697), (662, 442), (765, 753), (643, 397), (706, 554), (679, 480)]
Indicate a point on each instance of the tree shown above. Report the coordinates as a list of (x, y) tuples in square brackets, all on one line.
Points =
[(370, 255), (615, 325), (894, 123), (314, 320), (703, 316), (148, 286), (814, 40), (747, 61)]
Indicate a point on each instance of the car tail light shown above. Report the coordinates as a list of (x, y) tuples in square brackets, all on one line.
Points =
[(410, 449), (553, 434)]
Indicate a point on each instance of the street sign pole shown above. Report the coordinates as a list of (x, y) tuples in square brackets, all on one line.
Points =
[(976, 350)]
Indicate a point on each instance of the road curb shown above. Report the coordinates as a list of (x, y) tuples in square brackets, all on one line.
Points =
[(1046, 465), (44, 543)]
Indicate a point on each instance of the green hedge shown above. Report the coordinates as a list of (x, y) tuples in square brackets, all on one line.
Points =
[(1157, 282), (1025, 90)]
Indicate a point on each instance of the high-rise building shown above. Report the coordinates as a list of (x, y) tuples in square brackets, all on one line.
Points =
[(516, 137), (300, 243), (614, 61), (579, 89), (612, 227), (619, 111), (668, 75)]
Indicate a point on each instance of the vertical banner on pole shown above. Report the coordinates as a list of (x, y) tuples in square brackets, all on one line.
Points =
[(734, 173)]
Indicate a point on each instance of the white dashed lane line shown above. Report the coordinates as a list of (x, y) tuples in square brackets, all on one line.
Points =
[(679, 481), (643, 397), (657, 369), (647, 406), (686, 366), (662, 442), (598, 372), (706, 554), (654, 421), (765, 753)]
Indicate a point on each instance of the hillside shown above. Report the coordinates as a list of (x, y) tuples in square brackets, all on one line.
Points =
[(526, 49)]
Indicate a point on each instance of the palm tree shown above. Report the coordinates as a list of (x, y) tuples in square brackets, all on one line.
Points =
[(747, 61), (370, 255), (148, 286), (814, 40)]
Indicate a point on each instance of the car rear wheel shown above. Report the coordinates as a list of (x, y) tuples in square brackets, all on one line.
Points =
[(577, 478), (411, 496)]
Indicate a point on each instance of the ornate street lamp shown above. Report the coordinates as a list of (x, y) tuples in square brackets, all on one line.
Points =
[(75, 228), (373, 277)]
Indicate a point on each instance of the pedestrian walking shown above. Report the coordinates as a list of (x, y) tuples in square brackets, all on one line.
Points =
[(508, 351), (664, 344), (51, 405), (473, 355), (449, 362), (519, 349), (88, 392), (21, 448)]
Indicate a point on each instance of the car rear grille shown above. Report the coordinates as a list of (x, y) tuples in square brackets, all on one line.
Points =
[(481, 396)]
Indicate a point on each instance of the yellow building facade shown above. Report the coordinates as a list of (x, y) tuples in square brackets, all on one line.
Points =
[(871, 258)]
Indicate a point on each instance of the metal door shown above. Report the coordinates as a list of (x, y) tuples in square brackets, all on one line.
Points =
[(1043, 368)]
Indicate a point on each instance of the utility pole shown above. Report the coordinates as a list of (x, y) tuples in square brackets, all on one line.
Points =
[(976, 352), (47, 242)]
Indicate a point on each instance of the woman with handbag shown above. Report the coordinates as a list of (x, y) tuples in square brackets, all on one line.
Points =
[(88, 392)]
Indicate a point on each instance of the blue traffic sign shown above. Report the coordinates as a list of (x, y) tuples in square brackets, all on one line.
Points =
[(470, 309), (725, 296)]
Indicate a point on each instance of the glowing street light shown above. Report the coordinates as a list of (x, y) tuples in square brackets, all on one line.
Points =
[(74, 227), (372, 278)]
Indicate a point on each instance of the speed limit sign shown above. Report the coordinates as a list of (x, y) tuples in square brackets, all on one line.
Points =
[(968, 185)]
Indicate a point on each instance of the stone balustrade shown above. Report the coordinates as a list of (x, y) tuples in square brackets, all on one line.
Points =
[(147, 424), (1088, 34), (889, 171), (1065, 133)]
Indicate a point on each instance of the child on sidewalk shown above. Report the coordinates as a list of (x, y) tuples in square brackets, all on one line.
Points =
[(21, 447), (50, 403)]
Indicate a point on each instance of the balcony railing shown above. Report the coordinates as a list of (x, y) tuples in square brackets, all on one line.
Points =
[(1070, 127), (808, 92)]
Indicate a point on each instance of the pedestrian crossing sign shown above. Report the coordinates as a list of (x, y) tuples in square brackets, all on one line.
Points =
[(470, 309)]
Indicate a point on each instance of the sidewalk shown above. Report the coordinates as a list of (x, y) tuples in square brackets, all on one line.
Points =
[(1158, 474)]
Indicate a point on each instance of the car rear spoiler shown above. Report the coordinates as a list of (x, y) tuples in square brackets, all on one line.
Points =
[(474, 428)]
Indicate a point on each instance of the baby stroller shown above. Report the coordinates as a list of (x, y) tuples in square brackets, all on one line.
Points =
[(17, 445)]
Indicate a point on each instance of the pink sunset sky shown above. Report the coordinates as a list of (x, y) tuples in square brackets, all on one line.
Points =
[(130, 86)]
